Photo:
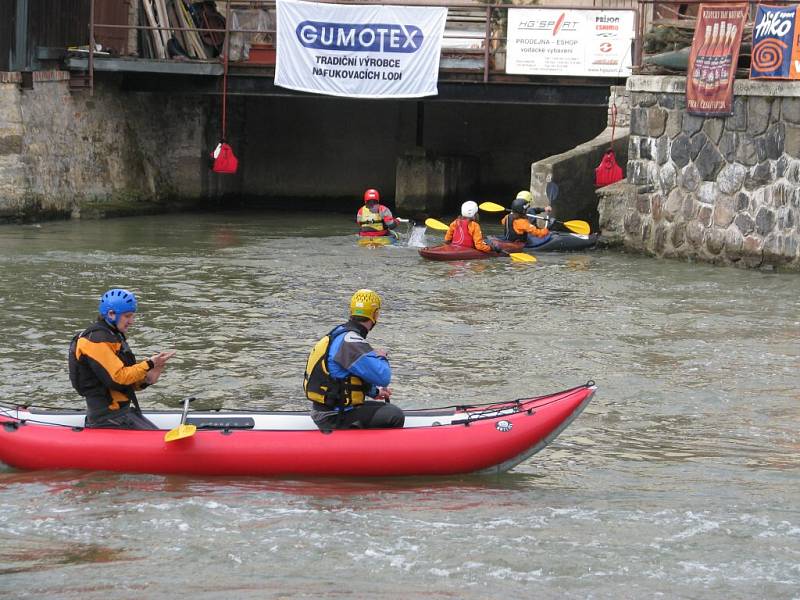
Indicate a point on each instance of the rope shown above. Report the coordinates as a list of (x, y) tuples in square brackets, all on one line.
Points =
[(225, 89), (613, 123)]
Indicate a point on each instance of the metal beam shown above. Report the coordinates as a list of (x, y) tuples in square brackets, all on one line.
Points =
[(541, 94), (156, 67)]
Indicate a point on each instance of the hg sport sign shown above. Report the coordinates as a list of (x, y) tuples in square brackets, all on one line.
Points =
[(588, 43), (359, 51)]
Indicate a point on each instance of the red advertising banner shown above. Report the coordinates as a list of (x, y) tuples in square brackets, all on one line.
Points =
[(713, 58)]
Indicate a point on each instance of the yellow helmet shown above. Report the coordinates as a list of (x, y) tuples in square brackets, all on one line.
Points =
[(365, 303), (525, 195)]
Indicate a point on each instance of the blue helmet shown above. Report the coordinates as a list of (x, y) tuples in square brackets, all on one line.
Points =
[(120, 301)]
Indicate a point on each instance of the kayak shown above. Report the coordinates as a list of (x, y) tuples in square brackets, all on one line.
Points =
[(375, 241), (561, 241), (454, 252), (479, 438)]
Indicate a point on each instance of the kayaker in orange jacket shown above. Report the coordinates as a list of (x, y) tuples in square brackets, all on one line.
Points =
[(516, 226), (465, 230), (104, 370)]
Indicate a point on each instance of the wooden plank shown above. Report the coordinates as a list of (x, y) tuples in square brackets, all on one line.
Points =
[(154, 35)]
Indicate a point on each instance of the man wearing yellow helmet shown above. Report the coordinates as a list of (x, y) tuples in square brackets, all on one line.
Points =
[(343, 370), (516, 226)]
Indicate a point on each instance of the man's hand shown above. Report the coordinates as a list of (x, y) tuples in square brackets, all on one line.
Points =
[(382, 354), (160, 359), (384, 393)]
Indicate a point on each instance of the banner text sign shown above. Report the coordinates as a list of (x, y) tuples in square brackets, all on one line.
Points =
[(776, 54), (593, 43), (365, 51)]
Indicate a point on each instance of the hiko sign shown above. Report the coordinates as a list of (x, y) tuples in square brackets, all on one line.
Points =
[(594, 43), (368, 51), (776, 54)]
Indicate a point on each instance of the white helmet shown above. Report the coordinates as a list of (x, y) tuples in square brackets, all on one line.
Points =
[(469, 209)]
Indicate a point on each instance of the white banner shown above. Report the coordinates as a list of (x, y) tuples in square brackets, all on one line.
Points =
[(359, 51), (594, 43)]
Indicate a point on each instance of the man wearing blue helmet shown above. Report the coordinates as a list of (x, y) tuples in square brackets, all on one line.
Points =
[(104, 370)]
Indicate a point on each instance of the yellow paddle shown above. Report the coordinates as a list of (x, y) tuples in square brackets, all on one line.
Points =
[(515, 256), (434, 224), (576, 226), (182, 430)]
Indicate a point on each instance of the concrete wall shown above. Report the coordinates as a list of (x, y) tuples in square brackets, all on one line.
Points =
[(67, 154), (720, 190), (573, 170)]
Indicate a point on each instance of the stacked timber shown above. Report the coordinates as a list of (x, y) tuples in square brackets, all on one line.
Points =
[(171, 24)]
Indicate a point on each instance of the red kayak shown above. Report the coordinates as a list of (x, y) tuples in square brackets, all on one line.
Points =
[(482, 438), (453, 252)]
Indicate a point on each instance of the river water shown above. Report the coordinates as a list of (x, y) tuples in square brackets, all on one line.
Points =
[(680, 480)]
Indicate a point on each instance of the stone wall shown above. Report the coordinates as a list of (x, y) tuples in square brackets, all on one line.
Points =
[(720, 190), (113, 153)]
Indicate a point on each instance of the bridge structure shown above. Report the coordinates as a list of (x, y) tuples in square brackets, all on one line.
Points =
[(105, 36), (479, 135)]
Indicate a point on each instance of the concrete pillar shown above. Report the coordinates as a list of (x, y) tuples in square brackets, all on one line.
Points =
[(428, 184)]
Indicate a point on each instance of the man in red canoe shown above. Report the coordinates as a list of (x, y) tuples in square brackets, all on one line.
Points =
[(374, 219), (343, 370), (465, 230), (104, 370)]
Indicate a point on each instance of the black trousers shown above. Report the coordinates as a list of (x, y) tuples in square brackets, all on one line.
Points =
[(373, 414)]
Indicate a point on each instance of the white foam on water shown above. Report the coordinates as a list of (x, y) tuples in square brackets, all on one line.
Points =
[(416, 238)]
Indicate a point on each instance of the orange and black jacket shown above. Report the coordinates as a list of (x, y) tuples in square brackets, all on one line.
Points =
[(104, 370), (515, 228)]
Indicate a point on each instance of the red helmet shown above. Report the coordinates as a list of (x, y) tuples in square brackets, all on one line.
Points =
[(372, 195)]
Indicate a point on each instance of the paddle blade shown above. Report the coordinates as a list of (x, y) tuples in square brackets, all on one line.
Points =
[(491, 207), (180, 432), (434, 224), (576, 226), (522, 257)]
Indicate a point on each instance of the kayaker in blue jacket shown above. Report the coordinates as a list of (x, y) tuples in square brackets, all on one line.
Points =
[(343, 370)]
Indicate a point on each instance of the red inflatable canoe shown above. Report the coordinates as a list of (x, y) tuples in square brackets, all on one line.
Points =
[(489, 438), (453, 252)]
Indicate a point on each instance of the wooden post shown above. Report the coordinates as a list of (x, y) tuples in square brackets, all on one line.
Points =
[(486, 40), (91, 47)]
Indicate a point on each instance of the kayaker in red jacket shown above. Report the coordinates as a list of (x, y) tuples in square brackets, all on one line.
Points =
[(343, 370), (465, 230), (104, 370), (374, 219)]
